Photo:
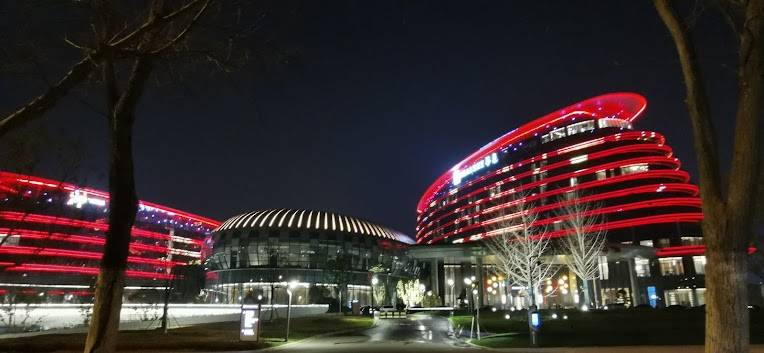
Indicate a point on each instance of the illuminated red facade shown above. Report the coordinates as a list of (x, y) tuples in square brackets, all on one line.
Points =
[(52, 235), (592, 147)]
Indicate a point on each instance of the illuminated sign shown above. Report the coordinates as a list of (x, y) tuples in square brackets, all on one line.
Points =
[(487, 161), (536, 320), (250, 323), (77, 198)]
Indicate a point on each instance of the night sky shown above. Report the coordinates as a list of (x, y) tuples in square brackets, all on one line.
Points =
[(386, 96)]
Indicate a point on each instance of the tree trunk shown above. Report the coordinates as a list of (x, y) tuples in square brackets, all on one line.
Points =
[(726, 302), (123, 204)]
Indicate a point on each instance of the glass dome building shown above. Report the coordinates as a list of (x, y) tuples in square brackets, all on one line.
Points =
[(326, 257)]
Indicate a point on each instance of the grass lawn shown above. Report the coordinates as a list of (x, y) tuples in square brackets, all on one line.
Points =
[(601, 328), (211, 337)]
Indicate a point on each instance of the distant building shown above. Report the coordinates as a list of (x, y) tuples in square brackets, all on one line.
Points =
[(326, 256), (648, 207), (52, 235)]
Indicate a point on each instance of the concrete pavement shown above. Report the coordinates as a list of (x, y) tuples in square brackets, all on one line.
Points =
[(423, 333), (417, 333)]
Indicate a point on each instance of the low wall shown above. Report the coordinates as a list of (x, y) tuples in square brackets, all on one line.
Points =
[(144, 316)]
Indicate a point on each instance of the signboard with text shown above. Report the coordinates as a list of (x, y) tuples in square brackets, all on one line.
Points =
[(250, 323)]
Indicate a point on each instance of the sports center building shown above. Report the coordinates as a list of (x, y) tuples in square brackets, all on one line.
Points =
[(646, 204), (52, 235), (324, 256)]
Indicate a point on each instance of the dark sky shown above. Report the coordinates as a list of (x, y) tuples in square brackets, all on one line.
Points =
[(386, 96)]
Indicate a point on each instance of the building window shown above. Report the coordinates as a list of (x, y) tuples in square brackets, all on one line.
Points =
[(604, 271), (671, 266), (601, 174), (557, 133), (609, 122), (642, 267), (648, 243), (700, 264), (663, 242), (578, 128), (692, 240), (634, 168)]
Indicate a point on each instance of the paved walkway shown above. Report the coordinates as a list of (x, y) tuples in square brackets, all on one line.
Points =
[(423, 334), (418, 333)]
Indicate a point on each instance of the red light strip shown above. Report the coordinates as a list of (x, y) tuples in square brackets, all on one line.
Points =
[(29, 250), (44, 219), (688, 250), (645, 189), (626, 106), (677, 175), (92, 271), (81, 239), (686, 217), (655, 160), (578, 173), (626, 136), (52, 184)]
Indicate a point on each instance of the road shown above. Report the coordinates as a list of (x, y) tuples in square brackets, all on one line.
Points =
[(418, 333)]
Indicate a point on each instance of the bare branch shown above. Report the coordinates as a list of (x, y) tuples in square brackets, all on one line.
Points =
[(185, 31), (42, 103)]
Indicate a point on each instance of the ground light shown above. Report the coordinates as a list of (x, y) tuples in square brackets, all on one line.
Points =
[(584, 307), (506, 316), (554, 316)]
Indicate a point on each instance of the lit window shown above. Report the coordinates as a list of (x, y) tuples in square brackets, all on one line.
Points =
[(579, 159), (692, 241), (642, 267), (634, 168), (601, 174), (609, 122), (578, 128), (646, 243), (663, 242), (700, 264), (604, 271), (557, 133), (671, 266)]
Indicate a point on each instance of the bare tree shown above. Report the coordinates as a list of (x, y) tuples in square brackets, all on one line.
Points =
[(584, 243), (728, 219), (518, 246)]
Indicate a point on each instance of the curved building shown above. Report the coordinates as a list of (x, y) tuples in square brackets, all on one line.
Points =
[(52, 234), (645, 199), (326, 256)]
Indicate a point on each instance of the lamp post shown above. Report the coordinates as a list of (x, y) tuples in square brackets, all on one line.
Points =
[(291, 286), (374, 282), (451, 284)]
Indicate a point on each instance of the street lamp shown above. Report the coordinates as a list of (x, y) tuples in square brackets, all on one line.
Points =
[(292, 285), (476, 316)]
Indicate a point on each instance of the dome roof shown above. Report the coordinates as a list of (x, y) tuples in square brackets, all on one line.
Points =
[(309, 219)]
